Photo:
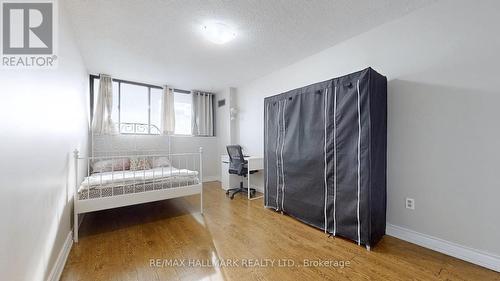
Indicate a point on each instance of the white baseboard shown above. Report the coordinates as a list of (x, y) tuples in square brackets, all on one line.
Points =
[(211, 178), (471, 255), (57, 269)]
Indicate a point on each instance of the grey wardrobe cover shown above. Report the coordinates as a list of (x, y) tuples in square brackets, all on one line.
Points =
[(325, 155)]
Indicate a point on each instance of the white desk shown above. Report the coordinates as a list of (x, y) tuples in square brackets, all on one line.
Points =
[(255, 163)]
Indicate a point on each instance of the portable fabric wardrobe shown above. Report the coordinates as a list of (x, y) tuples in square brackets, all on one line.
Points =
[(325, 155)]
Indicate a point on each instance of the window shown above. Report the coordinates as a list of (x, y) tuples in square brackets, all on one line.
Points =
[(182, 108), (134, 104), (156, 100), (137, 107)]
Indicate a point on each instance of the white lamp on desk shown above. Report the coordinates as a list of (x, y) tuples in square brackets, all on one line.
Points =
[(233, 113)]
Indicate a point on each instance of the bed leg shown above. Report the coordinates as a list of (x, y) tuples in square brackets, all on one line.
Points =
[(75, 228), (201, 179), (201, 200), (75, 199)]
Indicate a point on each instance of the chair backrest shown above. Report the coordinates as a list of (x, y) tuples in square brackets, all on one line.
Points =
[(236, 160)]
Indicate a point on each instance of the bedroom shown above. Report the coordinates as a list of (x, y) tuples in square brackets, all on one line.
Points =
[(116, 162)]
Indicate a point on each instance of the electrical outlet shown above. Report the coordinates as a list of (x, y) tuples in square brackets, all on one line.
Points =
[(410, 203)]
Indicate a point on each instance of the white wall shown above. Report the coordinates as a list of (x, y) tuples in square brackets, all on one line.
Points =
[(225, 127), (43, 118), (211, 158), (226, 134), (223, 121), (442, 65)]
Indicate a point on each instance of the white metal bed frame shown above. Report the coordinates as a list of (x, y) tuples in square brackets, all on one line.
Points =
[(89, 204)]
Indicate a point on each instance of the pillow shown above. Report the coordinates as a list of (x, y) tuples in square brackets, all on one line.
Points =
[(139, 164), (119, 164), (161, 162)]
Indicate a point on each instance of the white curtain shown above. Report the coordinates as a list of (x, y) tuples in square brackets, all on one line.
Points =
[(167, 111), (202, 114), (102, 124)]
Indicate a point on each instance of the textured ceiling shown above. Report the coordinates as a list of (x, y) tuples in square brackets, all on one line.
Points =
[(160, 42)]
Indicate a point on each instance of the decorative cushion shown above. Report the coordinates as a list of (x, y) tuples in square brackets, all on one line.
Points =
[(108, 165), (139, 164)]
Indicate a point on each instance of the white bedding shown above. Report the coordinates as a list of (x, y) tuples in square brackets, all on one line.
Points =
[(166, 175)]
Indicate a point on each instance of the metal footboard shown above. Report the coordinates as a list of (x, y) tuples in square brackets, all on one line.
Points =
[(110, 182)]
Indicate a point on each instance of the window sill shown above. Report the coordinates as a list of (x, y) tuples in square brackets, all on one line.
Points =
[(191, 136), (158, 135)]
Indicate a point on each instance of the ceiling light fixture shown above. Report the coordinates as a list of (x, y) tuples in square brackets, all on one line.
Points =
[(218, 33)]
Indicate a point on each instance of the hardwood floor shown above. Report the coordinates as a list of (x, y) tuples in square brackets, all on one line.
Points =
[(120, 244)]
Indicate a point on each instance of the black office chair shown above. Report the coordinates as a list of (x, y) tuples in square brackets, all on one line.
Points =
[(238, 166)]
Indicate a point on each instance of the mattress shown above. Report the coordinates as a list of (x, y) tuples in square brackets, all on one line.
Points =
[(126, 182)]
